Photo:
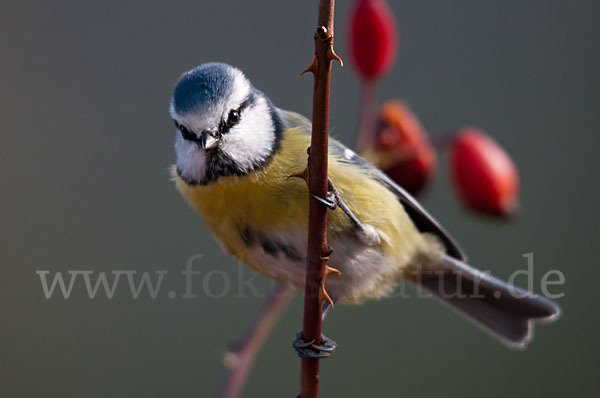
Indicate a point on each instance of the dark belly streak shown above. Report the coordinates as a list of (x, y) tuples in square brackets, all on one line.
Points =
[(270, 246)]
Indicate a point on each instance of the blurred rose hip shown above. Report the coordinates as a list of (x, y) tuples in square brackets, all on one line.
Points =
[(401, 147), (483, 174), (373, 38)]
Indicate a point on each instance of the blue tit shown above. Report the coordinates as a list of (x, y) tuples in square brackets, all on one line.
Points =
[(234, 151)]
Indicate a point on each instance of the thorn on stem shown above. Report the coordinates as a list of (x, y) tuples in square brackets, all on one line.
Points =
[(330, 270), (333, 56), (312, 68), (324, 296), (303, 175)]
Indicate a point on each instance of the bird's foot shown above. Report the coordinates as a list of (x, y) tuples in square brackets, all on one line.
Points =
[(330, 201), (365, 232), (308, 349)]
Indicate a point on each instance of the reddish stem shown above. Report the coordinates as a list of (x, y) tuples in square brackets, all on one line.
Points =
[(317, 169), (366, 114), (240, 357)]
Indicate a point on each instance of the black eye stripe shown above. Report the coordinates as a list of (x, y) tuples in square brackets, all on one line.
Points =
[(185, 133), (247, 102), (226, 124)]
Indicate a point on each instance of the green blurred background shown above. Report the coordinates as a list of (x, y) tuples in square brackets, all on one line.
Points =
[(85, 145)]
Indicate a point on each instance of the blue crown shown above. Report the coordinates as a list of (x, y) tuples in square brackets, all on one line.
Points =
[(202, 86)]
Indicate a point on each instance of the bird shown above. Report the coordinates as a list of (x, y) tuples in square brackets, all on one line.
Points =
[(235, 153)]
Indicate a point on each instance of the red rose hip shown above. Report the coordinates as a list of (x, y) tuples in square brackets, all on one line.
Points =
[(401, 147), (373, 38), (483, 174)]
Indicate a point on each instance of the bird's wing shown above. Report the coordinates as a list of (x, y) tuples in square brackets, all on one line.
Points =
[(420, 217)]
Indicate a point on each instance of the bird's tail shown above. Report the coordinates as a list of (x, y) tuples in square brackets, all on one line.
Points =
[(506, 311)]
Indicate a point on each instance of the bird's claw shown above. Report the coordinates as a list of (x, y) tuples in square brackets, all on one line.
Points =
[(330, 202), (308, 349)]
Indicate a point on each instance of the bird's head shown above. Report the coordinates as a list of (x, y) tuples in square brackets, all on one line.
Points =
[(224, 125)]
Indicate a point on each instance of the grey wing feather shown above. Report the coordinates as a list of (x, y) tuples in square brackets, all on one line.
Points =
[(424, 221), (420, 217)]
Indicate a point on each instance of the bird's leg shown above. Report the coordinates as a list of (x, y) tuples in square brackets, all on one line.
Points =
[(330, 201), (365, 232)]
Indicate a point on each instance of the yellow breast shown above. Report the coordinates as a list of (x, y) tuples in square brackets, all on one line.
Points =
[(268, 201)]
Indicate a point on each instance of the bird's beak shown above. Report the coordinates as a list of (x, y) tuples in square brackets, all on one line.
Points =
[(208, 139)]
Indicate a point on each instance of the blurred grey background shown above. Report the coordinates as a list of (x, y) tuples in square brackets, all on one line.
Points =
[(85, 145)]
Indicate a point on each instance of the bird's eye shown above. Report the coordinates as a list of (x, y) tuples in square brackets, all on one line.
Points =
[(234, 117), (185, 133)]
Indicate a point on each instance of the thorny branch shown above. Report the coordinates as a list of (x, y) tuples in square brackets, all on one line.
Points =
[(241, 355), (317, 250)]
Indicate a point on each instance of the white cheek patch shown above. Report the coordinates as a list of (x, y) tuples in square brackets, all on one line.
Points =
[(252, 139), (191, 160)]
